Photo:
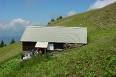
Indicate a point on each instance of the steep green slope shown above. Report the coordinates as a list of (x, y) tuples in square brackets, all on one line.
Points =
[(9, 51), (97, 58), (102, 19)]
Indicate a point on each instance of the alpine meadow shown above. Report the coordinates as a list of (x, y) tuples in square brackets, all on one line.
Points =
[(96, 59)]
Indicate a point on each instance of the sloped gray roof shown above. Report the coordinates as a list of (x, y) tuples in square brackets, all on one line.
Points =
[(55, 34)]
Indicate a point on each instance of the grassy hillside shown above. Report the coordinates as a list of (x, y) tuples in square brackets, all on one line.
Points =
[(104, 18), (9, 51), (96, 59)]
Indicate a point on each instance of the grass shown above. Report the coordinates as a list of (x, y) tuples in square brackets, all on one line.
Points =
[(96, 59), (9, 51)]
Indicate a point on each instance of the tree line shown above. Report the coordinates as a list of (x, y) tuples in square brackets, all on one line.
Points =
[(53, 19), (2, 43)]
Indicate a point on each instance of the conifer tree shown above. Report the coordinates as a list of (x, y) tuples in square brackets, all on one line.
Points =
[(12, 41), (2, 44)]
